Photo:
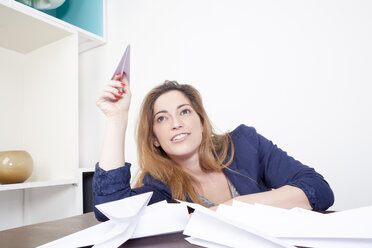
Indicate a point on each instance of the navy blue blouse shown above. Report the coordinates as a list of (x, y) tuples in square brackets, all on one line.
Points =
[(258, 166)]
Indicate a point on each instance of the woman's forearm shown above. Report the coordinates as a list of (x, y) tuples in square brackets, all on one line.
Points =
[(112, 155), (283, 197)]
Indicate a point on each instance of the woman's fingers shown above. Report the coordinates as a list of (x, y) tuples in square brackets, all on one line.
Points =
[(117, 77), (116, 88), (115, 84), (115, 97), (124, 79), (109, 96), (114, 92)]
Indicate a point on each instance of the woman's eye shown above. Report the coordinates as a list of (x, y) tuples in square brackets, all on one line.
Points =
[(185, 111), (160, 119)]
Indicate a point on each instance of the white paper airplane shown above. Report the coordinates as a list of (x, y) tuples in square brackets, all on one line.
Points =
[(128, 218)]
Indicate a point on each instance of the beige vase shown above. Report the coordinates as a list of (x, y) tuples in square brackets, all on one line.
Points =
[(15, 166)]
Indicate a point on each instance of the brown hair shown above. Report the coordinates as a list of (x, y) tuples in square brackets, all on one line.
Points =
[(213, 150)]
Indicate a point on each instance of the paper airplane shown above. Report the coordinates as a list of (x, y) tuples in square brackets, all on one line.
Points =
[(128, 218), (124, 65)]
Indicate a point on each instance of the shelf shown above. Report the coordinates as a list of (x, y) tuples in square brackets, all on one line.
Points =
[(28, 29), (86, 169), (29, 185)]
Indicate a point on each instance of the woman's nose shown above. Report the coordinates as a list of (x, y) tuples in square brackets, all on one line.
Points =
[(176, 123)]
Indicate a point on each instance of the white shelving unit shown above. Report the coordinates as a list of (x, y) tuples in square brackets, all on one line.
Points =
[(30, 185), (39, 112)]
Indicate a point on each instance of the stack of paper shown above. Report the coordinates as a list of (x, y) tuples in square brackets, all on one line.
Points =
[(243, 225), (239, 225), (212, 229), (128, 218)]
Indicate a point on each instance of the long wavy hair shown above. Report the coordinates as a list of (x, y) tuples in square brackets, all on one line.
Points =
[(213, 150)]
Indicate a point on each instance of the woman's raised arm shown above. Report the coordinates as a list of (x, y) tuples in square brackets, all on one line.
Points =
[(114, 101)]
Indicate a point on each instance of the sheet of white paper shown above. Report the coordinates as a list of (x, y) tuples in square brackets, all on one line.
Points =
[(86, 237), (300, 223), (169, 218), (212, 229), (353, 223), (330, 243), (159, 218), (116, 230), (275, 222), (210, 226), (126, 213), (122, 234), (253, 216), (308, 212), (204, 243), (355, 212), (125, 208)]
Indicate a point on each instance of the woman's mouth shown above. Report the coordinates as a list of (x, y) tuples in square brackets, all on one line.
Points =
[(179, 137)]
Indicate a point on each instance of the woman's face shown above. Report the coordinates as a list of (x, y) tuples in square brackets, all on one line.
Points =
[(177, 127)]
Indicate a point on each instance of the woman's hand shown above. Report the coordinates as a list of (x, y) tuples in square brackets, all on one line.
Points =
[(114, 99)]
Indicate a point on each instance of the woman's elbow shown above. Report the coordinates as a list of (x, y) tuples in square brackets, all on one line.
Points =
[(99, 216), (326, 198)]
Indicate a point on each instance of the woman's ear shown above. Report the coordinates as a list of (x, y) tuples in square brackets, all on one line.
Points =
[(155, 142)]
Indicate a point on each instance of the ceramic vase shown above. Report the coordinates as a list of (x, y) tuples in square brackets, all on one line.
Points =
[(15, 166), (43, 4)]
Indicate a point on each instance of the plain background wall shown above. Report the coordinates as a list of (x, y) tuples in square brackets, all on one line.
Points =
[(298, 71)]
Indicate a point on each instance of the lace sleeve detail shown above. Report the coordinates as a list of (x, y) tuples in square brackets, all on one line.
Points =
[(309, 192), (109, 182)]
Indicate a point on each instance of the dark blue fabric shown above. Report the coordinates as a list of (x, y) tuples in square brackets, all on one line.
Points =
[(258, 166)]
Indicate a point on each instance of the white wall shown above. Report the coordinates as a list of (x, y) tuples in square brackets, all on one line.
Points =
[(298, 71)]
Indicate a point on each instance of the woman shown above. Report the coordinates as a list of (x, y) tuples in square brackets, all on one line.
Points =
[(180, 157)]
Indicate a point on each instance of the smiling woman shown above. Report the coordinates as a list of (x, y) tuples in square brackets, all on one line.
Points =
[(181, 157), (177, 128)]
